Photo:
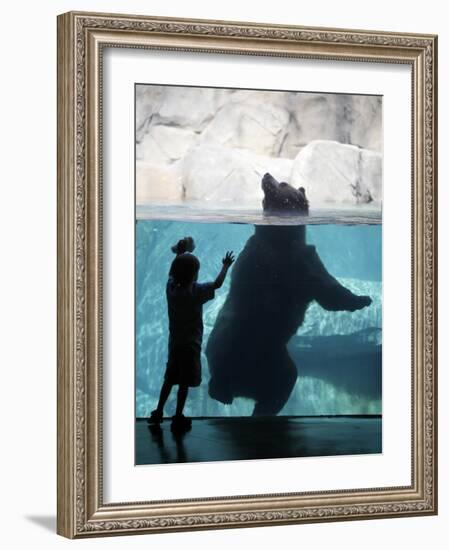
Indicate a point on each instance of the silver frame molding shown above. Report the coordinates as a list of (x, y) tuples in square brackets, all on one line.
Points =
[(81, 39)]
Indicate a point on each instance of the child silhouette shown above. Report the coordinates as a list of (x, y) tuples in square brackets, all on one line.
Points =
[(185, 299)]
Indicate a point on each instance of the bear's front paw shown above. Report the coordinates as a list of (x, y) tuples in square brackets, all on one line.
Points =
[(364, 301)]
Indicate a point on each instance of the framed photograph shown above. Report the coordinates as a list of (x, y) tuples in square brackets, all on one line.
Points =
[(246, 274)]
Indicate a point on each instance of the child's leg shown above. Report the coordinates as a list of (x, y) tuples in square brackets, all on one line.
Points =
[(181, 400), (165, 392), (181, 424)]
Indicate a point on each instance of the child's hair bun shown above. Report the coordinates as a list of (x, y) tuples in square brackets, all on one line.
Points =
[(186, 244)]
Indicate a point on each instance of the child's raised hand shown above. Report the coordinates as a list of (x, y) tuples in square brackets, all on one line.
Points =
[(229, 259)]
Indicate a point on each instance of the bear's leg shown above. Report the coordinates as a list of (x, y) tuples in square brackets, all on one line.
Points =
[(276, 393), (220, 389)]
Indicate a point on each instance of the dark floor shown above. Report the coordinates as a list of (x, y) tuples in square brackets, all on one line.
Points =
[(244, 438)]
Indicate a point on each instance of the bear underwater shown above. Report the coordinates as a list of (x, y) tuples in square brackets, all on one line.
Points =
[(274, 279)]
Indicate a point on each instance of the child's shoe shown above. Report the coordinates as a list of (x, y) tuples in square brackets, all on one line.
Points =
[(155, 417)]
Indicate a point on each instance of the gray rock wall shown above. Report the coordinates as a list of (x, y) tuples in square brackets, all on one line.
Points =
[(214, 144)]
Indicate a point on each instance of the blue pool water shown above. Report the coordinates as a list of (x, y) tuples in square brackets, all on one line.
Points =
[(338, 354)]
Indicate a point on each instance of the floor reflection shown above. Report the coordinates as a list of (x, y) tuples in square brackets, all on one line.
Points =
[(246, 438)]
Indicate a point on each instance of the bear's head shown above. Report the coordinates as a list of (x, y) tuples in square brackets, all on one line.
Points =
[(282, 198)]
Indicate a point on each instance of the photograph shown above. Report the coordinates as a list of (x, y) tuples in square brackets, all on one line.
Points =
[(258, 274), (247, 285), (224, 229)]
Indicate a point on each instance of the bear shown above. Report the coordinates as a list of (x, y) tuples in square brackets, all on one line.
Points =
[(274, 279)]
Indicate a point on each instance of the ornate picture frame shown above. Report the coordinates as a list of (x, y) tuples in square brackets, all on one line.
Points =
[(82, 40)]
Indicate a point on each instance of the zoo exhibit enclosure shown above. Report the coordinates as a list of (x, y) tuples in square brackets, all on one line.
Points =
[(331, 379), (114, 494), (200, 154)]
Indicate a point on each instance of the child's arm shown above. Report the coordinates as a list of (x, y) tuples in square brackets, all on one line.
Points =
[(228, 260)]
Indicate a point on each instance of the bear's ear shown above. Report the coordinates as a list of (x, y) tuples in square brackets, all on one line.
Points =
[(302, 190)]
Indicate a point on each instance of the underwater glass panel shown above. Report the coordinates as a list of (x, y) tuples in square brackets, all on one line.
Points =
[(338, 354)]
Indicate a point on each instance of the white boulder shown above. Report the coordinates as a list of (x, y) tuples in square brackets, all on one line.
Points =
[(258, 126), (216, 174), (165, 144), (189, 107), (333, 172), (148, 101), (346, 118), (156, 182)]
